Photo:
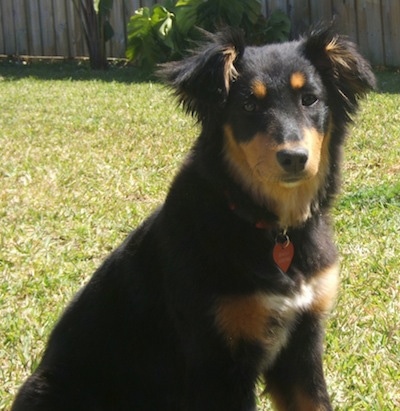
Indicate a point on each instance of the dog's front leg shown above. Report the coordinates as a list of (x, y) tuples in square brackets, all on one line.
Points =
[(211, 396), (216, 383), (296, 381)]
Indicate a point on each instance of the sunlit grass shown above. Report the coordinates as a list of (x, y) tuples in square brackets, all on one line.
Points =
[(84, 158)]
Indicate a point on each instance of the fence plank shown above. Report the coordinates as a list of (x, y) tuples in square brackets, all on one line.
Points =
[(147, 3), (34, 28), (8, 27), (345, 15), (130, 7), (391, 32), (1, 31), (71, 30), (370, 30), (320, 11), (21, 33), (117, 21), (274, 5), (79, 36), (299, 13), (61, 28), (129, 10), (133, 5), (264, 8), (46, 13)]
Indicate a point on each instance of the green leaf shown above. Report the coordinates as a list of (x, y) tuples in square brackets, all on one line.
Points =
[(159, 14), (103, 7), (278, 27), (253, 10), (212, 13), (139, 24), (166, 26), (139, 30), (233, 11), (149, 36), (165, 30), (162, 22), (186, 12)]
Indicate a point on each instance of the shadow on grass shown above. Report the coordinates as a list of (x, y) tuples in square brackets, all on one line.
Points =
[(74, 70), (119, 71), (388, 81)]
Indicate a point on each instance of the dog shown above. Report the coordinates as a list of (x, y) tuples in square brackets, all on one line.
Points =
[(230, 281)]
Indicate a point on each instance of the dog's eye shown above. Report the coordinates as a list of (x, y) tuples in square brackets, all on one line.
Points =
[(308, 100), (250, 107)]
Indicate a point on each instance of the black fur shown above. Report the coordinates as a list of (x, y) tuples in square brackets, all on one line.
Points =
[(191, 310)]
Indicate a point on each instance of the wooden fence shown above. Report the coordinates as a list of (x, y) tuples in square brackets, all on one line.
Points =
[(52, 27)]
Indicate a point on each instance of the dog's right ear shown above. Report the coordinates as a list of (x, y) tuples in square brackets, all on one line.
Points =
[(342, 68), (202, 81)]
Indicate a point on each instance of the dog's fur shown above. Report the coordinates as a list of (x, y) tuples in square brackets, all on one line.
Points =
[(192, 310)]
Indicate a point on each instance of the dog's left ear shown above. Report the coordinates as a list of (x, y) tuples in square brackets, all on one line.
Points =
[(344, 71), (202, 81)]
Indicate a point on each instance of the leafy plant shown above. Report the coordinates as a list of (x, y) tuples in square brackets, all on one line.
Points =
[(277, 28), (95, 16), (164, 32), (150, 36)]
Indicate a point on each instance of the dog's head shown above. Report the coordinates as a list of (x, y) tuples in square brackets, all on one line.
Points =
[(278, 108)]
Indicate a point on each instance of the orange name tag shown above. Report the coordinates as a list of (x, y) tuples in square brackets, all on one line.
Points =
[(283, 255)]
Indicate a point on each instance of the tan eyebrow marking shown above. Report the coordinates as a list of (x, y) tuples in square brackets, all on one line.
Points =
[(297, 80), (259, 89)]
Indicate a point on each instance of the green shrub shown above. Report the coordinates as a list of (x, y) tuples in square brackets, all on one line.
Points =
[(164, 31)]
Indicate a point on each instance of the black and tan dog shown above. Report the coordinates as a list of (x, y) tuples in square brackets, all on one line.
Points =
[(231, 279)]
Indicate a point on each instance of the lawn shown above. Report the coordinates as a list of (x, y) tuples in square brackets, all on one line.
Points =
[(85, 157)]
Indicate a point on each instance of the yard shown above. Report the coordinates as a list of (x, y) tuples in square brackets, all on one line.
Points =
[(85, 157)]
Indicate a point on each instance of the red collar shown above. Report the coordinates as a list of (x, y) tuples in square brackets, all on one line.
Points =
[(256, 216), (283, 250)]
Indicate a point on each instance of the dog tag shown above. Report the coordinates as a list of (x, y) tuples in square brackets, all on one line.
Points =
[(283, 254)]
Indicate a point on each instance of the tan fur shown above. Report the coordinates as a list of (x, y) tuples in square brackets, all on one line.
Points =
[(305, 403), (268, 318), (297, 80), (259, 89), (300, 401), (254, 163), (242, 317), (325, 284), (337, 54), (278, 400), (230, 72), (345, 63)]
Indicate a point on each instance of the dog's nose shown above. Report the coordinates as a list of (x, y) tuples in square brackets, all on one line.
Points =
[(293, 161)]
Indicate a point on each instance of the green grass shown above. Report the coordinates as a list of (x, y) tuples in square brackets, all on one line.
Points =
[(85, 157)]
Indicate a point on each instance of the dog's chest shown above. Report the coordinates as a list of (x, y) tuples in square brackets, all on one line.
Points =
[(268, 318)]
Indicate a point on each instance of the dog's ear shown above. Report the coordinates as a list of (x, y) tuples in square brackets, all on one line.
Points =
[(346, 74), (202, 81)]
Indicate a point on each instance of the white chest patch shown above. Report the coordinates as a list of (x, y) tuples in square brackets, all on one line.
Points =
[(270, 318), (283, 311), (285, 305)]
